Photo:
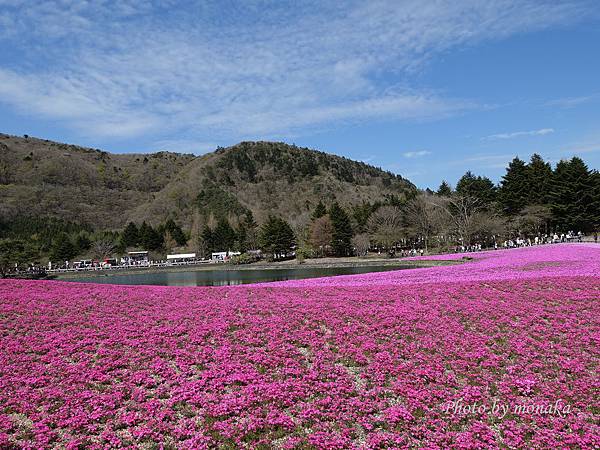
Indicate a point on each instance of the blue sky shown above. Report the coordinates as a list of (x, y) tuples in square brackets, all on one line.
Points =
[(425, 89)]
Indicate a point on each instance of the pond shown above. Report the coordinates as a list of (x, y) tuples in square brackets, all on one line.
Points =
[(220, 277)]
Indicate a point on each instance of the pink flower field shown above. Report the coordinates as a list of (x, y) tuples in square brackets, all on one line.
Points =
[(500, 352)]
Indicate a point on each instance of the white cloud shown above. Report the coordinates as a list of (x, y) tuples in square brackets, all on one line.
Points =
[(215, 70), (515, 134), (588, 148), (416, 154), (572, 102)]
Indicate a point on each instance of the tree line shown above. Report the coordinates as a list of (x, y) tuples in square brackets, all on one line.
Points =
[(532, 198)]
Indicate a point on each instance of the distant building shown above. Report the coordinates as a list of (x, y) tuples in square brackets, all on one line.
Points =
[(181, 257), (135, 258), (223, 256)]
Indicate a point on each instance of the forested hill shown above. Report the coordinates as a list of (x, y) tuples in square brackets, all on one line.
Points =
[(40, 178)]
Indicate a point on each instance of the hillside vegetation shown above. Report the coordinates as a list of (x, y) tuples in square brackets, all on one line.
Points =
[(94, 188), (270, 178), (41, 178)]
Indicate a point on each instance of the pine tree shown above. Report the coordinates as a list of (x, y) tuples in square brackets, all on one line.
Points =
[(208, 239), (595, 206), (539, 174), (514, 187), (176, 232), (62, 249), (150, 239), (246, 233), (444, 190), (224, 235), (341, 243), (82, 243), (319, 211), (480, 188), (276, 237), (572, 196), (130, 236)]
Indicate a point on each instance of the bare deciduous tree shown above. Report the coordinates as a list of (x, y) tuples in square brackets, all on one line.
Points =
[(196, 243), (487, 226), (103, 249), (361, 243), (321, 234), (460, 211), (386, 226), (169, 242), (533, 219), (425, 216)]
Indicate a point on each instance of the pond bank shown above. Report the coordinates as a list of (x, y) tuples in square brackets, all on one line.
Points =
[(323, 263)]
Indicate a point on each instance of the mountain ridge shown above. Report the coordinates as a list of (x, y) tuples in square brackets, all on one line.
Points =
[(106, 190)]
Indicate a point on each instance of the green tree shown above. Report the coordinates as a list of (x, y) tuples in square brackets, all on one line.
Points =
[(130, 236), (246, 233), (150, 239), (207, 238), (341, 243), (319, 211), (444, 190), (82, 242), (62, 249), (276, 237), (572, 196), (176, 232), (595, 206), (540, 178), (223, 235), (361, 214), (514, 187), (480, 188), (14, 253)]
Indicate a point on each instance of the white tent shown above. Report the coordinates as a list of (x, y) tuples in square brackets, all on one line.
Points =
[(178, 256)]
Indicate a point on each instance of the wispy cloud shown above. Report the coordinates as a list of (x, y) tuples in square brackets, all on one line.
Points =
[(516, 134), (572, 102), (416, 154), (205, 71), (588, 148)]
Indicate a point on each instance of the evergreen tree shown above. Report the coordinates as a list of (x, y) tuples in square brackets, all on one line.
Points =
[(208, 239), (514, 187), (130, 236), (176, 232), (361, 214), (143, 235), (444, 190), (224, 235), (276, 237), (82, 243), (480, 188), (149, 238), (319, 211), (539, 181), (572, 196), (62, 249), (246, 233), (342, 231), (15, 253), (595, 206)]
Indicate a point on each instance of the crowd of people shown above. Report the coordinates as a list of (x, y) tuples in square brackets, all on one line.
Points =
[(555, 238)]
